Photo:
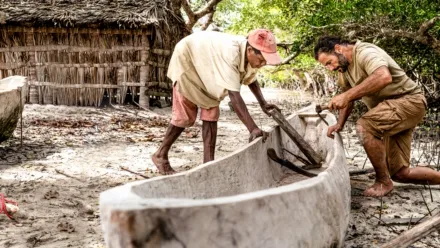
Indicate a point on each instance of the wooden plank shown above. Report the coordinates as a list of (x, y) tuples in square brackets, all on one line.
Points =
[(305, 148), (416, 233), (164, 52)]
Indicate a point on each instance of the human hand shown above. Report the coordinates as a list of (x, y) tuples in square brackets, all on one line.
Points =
[(335, 128), (257, 133), (267, 107), (339, 102)]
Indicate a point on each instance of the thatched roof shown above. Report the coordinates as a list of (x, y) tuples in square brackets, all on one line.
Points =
[(80, 13)]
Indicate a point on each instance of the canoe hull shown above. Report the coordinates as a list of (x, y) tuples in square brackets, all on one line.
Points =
[(233, 202), (12, 90)]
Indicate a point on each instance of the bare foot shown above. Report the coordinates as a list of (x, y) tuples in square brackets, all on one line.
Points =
[(163, 165), (379, 189)]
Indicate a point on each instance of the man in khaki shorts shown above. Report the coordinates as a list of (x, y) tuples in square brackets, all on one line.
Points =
[(205, 67), (395, 102)]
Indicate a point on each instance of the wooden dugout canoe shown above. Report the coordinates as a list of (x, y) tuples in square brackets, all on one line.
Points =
[(12, 90), (241, 200)]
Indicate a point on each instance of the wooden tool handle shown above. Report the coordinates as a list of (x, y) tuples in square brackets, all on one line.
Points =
[(305, 148), (320, 108)]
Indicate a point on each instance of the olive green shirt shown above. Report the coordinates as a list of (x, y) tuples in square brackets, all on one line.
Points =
[(367, 58)]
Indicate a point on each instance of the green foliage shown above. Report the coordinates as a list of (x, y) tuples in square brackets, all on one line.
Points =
[(297, 21), (281, 78)]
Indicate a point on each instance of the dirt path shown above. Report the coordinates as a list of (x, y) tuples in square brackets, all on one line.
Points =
[(71, 154)]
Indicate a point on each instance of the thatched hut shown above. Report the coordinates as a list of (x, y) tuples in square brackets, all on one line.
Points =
[(75, 52)]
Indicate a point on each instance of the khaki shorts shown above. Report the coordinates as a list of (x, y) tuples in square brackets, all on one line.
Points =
[(393, 121), (185, 112)]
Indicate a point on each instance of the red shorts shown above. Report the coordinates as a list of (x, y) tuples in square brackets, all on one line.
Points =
[(185, 112)]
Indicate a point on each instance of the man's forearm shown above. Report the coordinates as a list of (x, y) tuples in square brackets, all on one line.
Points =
[(344, 114), (256, 90), (380, 78), (241, 110)]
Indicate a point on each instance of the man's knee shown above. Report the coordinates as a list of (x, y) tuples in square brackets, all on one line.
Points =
[(360, 130), (401, 176)]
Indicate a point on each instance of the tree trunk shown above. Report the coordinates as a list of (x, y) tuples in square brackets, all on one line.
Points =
[(312, 82)]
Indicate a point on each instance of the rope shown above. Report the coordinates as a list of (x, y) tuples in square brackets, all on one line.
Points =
[(3, 202)]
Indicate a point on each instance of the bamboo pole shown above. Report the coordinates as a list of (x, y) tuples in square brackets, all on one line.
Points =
[(71, 72), (81, 79), (144, 99), (101, 80), (124, 77), (40, 57), (33, 90)]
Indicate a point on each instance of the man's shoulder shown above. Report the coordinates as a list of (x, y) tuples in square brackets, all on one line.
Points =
[(365, 47), (214, 37), (365, 51)]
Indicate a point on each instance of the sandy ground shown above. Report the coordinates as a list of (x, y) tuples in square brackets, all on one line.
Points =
[(70, 155)]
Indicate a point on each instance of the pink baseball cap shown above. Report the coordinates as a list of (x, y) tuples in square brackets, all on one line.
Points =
[(264, 40)]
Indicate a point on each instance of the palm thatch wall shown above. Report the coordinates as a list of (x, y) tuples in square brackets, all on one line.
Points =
[(76, 51)]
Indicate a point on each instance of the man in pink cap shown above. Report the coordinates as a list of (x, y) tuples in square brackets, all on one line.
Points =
[(205, 67)]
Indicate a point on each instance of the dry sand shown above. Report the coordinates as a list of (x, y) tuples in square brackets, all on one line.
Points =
[(71, 154)]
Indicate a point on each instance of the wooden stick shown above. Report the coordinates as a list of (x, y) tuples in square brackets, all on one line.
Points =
[(305, 148), (361, 172), (133, 172), (412, 186), (409, 223), (430, 191), (301, 159), (414, 234), (400, 221), (67, 175), (273, 155), (363, 166), (426, 204)]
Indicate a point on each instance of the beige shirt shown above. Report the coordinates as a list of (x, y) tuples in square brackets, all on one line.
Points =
[(366, 59), (206, 65)]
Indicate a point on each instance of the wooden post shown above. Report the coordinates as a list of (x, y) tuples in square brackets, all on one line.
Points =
[(101, 76), (305, 148), (119, 99), (119, 80), (144, 99), (82, 91), (407, 238), (33, 90)]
